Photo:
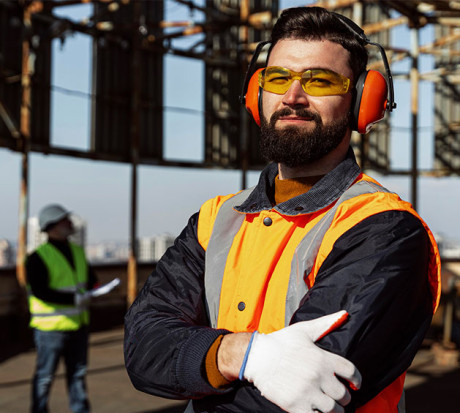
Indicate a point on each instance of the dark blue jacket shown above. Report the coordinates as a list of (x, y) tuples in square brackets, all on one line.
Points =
[(380, 264)]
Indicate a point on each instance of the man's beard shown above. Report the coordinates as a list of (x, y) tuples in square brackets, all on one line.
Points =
[(293, 146)]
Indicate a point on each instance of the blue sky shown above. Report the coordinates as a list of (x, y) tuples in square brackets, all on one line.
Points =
[(100, 191)]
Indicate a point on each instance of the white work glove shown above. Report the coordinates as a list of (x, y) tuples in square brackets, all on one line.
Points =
[(82, 299), (295, 374)]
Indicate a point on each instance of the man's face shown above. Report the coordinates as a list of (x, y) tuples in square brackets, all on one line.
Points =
[(62, 229), (297, 128)]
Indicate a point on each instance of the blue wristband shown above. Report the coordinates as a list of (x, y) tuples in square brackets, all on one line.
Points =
[(246, 355)]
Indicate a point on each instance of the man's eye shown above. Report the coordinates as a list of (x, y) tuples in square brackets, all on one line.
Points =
[(279, 79), (318, 81)]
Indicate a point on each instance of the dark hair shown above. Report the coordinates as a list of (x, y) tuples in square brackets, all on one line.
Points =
[(317, 23)]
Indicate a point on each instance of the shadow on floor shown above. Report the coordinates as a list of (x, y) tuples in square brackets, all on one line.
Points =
[(439, 393)]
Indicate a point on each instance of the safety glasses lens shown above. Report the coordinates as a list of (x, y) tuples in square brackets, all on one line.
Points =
[(315, 82), (324, 83), (276, 79)]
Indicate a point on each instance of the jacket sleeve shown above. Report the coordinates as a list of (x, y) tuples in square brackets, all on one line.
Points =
[(166, 329), (167, 335), (378, 272)]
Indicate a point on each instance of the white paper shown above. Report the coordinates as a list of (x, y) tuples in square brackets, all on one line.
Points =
[(106, 288)]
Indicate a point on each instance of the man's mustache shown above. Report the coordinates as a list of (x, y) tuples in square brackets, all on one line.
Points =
[(302, 112)]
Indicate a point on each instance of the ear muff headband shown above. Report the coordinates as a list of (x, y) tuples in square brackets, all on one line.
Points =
[(354, 28), (251, 67)]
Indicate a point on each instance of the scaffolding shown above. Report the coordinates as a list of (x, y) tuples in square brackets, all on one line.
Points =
[(127, 105)]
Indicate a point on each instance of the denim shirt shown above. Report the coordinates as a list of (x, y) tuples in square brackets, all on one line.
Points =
[(327, 190)]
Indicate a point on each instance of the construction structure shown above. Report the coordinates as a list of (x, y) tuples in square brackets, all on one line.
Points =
[(130, 40)]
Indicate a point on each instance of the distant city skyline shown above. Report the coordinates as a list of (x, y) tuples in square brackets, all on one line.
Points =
[(150, 249)]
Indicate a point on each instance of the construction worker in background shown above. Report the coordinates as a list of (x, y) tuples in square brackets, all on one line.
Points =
[(312, 291), (59, 280)]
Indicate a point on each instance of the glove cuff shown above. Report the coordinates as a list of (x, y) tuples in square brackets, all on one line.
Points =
[(246, 355)]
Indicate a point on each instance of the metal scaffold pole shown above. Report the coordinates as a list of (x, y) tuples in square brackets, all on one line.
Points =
[(244, 37), (135, 131), (414, 79), (27, 68)]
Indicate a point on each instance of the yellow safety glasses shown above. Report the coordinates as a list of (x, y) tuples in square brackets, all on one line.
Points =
[(315, 82)]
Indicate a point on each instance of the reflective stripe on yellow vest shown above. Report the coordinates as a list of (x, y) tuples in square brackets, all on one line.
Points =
[(227, 270), (48, 316)]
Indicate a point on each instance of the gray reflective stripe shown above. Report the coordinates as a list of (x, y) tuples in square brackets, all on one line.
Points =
[(189, 408), (73, 288), (64, 311), (402, 403), (307, 250), (226, 226), (302, 263)]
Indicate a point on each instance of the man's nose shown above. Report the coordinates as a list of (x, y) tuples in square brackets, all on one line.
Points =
[(296, 95)]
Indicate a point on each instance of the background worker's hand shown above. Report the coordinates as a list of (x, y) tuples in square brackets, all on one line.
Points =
[(295, 374), (82, 299)]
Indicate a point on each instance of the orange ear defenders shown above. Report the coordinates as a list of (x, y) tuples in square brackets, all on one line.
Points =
[(369, 101), (373, 94), (253, 98), (251, 95)]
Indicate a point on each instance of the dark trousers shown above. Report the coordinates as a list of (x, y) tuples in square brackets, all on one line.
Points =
[(51, 346)]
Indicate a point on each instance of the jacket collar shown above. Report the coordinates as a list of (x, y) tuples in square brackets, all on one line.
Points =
[(327, 190)]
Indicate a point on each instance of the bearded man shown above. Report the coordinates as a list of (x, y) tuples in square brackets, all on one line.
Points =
[(310, 292)]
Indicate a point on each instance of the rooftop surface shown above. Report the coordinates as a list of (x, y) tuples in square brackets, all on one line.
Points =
[(430, 388)]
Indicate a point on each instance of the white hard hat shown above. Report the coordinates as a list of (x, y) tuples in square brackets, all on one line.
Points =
[(51, 214)]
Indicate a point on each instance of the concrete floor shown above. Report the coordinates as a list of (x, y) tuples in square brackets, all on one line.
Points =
[(109, 387), (430, 388)]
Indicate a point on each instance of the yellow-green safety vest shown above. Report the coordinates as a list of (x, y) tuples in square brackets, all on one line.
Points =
[(48, 316)]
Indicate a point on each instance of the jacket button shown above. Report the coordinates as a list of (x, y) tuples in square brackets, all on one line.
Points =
[(267, 221), (241, 305)]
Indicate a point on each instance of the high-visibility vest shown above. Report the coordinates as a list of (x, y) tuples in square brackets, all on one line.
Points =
[(63, 277), (302, 247)]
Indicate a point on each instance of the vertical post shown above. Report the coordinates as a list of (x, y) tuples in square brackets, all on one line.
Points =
[(414, 79), (132, 261), (135, 138), (449, 312), (244, 125), (27, 70)]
